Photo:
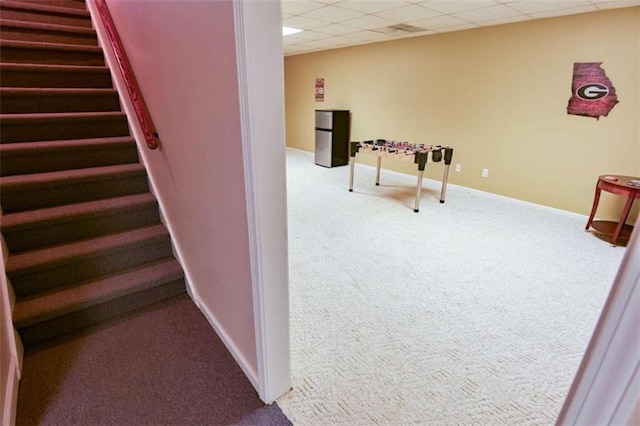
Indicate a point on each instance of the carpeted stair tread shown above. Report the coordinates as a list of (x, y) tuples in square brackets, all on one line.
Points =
[(73, 4), (51, 75), (21, 221), (36, 52), (36, 127), (21, 158), (35, 45), (36, 91), (10, 23), (12, 119), (18, 100), (61, 146), (42, 307), (51, 257), (35, 229), (41, 8), (68, 177)]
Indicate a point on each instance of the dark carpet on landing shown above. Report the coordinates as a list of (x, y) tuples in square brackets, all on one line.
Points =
[(162, 365)]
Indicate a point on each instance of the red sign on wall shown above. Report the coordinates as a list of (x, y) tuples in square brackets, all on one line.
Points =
[(593, 95), (319, 89)]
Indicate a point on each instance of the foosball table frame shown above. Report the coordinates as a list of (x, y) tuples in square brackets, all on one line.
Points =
[(402, 151)]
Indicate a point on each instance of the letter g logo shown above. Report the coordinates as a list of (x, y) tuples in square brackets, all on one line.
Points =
[(592, 91)]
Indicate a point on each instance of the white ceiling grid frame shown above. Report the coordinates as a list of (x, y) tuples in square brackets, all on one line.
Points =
[(331, 24)]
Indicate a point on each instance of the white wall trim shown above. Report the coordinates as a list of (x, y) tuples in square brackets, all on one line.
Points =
[(606, 388), (10, 393), (436, 183), (264, 171), (231, 347)]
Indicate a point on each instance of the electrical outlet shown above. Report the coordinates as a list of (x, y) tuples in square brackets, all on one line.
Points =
[(458, 168), (485, 172)]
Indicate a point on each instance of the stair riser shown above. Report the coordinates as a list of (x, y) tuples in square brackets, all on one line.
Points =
[(48, 36), (81, 228), (75, 272), (61, 129), (57, 79), (94, 315), (21, 55), (43, 196), (42, 161), (18, 104), (73, 4), (46, 17)]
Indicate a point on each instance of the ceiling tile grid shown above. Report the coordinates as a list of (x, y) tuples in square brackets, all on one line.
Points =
[(333, 24)]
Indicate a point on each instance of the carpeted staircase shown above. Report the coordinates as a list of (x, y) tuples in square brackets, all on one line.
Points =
[(82, 230)]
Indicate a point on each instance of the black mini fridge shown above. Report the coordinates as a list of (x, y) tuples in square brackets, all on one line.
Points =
[(332, 137)]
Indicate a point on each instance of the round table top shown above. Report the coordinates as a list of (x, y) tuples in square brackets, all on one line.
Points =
[(627, 186), (621, 181)]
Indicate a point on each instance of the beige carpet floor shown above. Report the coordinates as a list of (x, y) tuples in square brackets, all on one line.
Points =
[(475, 311)]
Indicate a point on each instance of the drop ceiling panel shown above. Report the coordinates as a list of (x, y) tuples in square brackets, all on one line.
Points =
[(332, 24), (332, 14), (410, 13), (368, 7)]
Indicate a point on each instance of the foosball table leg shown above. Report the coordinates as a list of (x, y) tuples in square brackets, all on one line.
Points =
[(416, 207), (353, 150), (352, 164), (444, 183), (421, 158), (448, 155), (378, 171)]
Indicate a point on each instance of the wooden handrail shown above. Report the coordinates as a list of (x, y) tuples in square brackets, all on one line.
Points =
[(149, 130)]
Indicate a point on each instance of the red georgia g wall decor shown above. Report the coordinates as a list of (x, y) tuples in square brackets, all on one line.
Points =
[(319, 89), (593, 95)]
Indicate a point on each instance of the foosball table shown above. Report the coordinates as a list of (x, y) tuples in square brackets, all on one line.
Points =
[(403, 151)]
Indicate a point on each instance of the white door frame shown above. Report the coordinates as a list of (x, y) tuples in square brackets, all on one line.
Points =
[(261, 89)]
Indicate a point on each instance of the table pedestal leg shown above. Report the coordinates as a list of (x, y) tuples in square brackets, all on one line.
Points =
[(416, 208), (596, 200), (378, 171), (623, 219)]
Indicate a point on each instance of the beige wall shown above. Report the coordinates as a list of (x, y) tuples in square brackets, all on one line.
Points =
[(498, 95)]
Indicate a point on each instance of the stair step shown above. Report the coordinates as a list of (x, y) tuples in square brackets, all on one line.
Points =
[(49, 33), (43, 190), (53, 304), (38, 100), (30, 52), (64, 76), (58, 126), (73, 4), (67, 264), (73, 309), (23, 158), (35, 229), (38, 12)]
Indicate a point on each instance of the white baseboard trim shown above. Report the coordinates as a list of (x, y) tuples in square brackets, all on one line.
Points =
[(412, 178), (10, 403), (483, 193), (231, 347)]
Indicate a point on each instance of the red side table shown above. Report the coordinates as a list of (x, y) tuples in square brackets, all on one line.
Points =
[(619, 185)]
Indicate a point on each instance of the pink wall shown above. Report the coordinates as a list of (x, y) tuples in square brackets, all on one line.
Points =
[(184, 57)]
